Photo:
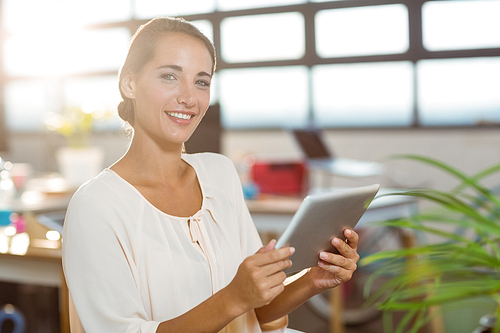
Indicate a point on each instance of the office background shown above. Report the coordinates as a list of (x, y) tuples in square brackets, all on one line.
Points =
[(379, 77)]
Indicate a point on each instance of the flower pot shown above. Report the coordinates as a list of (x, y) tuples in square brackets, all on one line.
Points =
[(77, 165)]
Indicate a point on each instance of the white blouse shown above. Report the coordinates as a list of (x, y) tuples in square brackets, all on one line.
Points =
[(129, 266)]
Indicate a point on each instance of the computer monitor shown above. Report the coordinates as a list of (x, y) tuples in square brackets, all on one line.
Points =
[(311, 143)]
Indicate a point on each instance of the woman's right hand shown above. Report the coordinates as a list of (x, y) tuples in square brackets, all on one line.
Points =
[(260, 277)]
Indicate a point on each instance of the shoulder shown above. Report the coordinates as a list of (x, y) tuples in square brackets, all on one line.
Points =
[(210, 164), (101, 191), (207, 158), (97, 185), (214, 170)]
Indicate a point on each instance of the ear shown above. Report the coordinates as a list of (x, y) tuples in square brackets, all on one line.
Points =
[(127, 86)]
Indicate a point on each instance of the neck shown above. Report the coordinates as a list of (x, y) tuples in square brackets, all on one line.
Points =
[(149, 161)]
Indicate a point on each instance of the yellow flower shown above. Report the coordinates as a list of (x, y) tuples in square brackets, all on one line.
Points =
[(75, 124)]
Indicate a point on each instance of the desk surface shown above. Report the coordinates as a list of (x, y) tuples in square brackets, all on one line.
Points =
[(274, 204)]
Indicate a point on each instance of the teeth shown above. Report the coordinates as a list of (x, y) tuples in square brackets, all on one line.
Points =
[(179, 115)]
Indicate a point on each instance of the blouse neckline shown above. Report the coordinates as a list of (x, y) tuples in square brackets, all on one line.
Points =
[(173, 217)]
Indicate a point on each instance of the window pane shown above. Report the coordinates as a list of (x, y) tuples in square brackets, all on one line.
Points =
[(263, 37), (452, 25), (97, 93), (44, 53), (28, 15), (362, 31), (371, 94), (245, 4), (97, 50), (97, 11), (19, 58), (264, 97), (147, 9), (459, 91), (17, 19), (26, 114)]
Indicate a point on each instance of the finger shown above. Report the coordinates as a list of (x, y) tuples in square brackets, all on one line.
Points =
[(272, 256), (344, 249), (337, 260), (352, 238), (277, 279), (341, 274), (268, 247), (276, 267)]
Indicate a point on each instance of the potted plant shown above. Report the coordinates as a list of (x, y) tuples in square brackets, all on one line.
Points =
[(462, 264), (78, 161)]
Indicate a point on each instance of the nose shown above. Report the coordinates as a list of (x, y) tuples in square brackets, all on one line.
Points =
[(186, 95)]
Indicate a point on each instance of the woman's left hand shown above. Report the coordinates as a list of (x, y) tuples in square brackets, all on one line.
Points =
[(335, 269)]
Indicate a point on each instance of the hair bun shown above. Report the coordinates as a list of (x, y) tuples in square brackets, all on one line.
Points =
[(126, 110)]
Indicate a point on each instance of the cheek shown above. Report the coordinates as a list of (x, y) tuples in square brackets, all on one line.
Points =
[(155, 98), (204, 100)]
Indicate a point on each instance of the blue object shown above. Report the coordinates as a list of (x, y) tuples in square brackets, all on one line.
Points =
[(5, 217), (251, 190), (9, 312)]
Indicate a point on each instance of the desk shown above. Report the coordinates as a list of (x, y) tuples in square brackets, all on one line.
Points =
[(41, 264)]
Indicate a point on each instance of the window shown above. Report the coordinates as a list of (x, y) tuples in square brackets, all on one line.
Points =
[(246, 4), (263, 37), (64, 52), (264, 97), (26, 114), (363, 95), (281, 63), (147, 9), (459, 91), (454, 25), (362, 31)]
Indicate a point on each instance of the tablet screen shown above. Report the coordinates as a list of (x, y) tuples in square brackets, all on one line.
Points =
[(321, 217)]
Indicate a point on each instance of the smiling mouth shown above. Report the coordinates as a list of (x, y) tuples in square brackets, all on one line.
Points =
[(179, 115)]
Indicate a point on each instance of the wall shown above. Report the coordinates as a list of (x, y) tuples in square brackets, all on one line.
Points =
[(471, 150)]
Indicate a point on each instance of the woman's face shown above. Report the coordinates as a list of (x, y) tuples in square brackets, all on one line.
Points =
[(172, 92)]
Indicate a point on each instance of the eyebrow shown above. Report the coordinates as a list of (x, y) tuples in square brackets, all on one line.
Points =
[(179, 69)]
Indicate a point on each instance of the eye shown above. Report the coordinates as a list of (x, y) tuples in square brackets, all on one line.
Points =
[(203, 83), (168, 76)]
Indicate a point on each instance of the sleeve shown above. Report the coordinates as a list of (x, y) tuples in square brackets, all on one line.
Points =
[(99, 270), (251, 243)]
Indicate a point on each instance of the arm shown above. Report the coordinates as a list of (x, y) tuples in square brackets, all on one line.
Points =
[(259, 280), (332, 270)]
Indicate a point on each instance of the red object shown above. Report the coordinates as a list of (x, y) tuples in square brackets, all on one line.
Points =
[(280, 178)]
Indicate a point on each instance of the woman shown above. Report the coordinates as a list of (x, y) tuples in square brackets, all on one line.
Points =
[(162, 241)]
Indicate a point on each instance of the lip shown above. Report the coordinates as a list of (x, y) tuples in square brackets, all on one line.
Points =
[(179, 120)]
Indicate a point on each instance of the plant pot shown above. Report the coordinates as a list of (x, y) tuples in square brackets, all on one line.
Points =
[(77, 165)]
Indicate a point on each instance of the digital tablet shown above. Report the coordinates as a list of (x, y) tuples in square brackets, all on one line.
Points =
[(321, 217)]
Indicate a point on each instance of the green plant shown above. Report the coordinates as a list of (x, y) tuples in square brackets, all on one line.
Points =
[(462, 265)]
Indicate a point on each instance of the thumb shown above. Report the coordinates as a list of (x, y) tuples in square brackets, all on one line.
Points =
[(268, 247)]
